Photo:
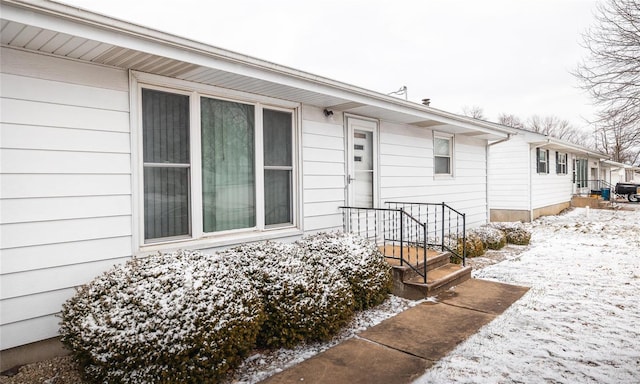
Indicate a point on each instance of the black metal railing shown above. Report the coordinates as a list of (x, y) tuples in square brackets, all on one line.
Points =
[(398, 235), (592, 187), (445, 226)]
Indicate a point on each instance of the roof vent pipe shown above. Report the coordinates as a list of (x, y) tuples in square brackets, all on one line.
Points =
[(426, 102)]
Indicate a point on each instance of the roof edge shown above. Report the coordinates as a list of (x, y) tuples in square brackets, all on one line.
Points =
[(87, 17)]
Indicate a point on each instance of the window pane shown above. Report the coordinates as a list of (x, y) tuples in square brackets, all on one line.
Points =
[(363, 186), (165, 127), (228, 165), (363, 151), (277, 197), (165, 130), (166, 202), (441, 146), (442, 165), (277, 138)]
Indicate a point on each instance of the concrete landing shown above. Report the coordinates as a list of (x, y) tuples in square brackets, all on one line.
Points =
[(402, 348)]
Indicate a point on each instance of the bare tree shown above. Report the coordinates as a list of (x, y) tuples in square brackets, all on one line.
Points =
[(510, 120), (617, 140), (475, 112), (558, 128), (611, 74)]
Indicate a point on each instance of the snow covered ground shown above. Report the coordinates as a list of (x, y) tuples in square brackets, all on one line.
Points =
[(579, 323)]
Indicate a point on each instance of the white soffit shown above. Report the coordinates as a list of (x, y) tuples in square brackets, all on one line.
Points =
[(64, 31)]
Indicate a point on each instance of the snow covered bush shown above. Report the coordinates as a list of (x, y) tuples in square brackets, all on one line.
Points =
[(492, 238), (303, 300), (181, 317), (358, 260), (515, 232), (474, 244)]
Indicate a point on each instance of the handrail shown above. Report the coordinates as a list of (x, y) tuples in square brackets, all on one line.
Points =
[(452, 231), (395, 229)]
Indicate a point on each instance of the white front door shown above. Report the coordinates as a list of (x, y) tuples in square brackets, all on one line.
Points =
[(362, 164)]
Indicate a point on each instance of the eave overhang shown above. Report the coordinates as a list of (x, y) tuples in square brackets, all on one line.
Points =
[(56, 29)]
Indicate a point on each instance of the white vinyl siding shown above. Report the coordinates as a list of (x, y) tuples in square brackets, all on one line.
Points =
[(323, 169), (65, 197), (509, 175), (407, 171), (546, 191)]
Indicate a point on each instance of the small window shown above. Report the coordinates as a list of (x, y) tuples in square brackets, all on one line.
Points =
[(442, 150), (542, 157), (561, 163)]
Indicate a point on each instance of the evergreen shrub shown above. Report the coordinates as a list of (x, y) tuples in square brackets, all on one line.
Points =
[(357, 259), (180, 317), (492, 238), (516, 232), (474, 244), (304, 301)]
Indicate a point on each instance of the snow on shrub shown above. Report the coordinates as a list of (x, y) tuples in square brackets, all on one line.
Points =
[(474, 245), (358, 260), (515, 232), (303, 300), (181, 317), (492, 238)]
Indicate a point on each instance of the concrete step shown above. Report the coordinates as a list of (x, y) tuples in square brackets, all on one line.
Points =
[(405, 272), (438, 280)]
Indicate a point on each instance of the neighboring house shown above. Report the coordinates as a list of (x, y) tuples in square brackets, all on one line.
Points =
[(532, 175), (119, 140), (614, 172), (620, 173)]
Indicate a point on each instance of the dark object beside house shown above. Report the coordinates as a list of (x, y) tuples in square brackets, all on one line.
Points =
[(631, 190)]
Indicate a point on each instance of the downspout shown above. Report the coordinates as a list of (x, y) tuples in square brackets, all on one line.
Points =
[(486, 160)]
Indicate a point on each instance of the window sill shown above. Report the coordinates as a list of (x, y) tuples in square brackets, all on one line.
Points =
[(219, 241)]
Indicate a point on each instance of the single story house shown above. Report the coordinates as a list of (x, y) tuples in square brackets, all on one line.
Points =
[(532, 175), (119, 140), (620, 173)]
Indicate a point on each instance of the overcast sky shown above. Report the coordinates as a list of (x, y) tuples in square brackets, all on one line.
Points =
[(505, 56)]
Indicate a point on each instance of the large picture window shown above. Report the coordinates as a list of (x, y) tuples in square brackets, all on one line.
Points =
[(226, 169), (228, 165), (580, 169)]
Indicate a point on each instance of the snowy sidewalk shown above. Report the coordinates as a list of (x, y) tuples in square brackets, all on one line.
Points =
[(401, 348), (579, 323)]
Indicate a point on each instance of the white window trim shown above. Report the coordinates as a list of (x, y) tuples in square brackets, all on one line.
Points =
[(547, 154), (451, 138), (565, 156), (200, 239)]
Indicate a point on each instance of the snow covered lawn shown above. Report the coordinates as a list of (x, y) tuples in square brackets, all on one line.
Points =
[(580, 321)]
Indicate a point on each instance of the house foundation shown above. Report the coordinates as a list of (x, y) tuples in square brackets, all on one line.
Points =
[(31, 353)]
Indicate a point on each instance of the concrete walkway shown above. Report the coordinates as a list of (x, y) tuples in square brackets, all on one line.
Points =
[(402, 348)]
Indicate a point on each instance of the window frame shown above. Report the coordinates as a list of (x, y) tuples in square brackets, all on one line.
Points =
[(451, 139), (540, 162), (198, 238), (561, 166)]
